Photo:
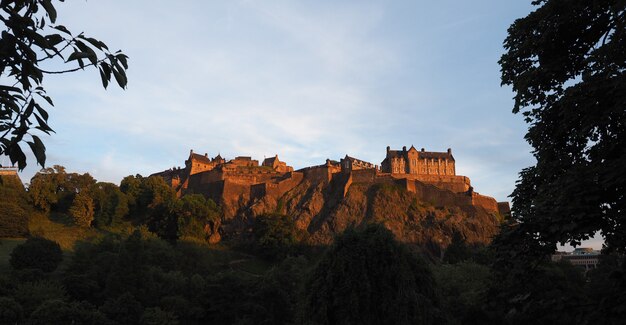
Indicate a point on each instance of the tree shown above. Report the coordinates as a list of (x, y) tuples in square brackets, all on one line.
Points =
[(44, 186), (566, 62), (61, 312), (367, 277), (53, 189), (457, 251), (195, 214), (30, 43), (37, 253), (82, 209), (110, 204), (14, 207), (11, 311), (275, 235)]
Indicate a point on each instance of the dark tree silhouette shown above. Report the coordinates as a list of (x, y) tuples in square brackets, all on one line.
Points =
[(367, 277), (30, 41), (566, 62), (37, 253)]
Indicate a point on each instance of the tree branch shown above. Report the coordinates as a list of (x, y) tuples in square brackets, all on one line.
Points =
[(72, 70)]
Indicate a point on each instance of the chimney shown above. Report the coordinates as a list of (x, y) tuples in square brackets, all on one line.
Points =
[(206, 155), (404, 148), (191, 152), (449, 151), (388, 148), (422, 149)]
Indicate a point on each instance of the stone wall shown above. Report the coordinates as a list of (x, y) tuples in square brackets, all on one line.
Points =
[(486, 202), (320, 174), (364, 175), (457, 184), (276, 187)]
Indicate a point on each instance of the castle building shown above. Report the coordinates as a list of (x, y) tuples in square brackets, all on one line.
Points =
[(277, 165), (350, 163), (417, 162)]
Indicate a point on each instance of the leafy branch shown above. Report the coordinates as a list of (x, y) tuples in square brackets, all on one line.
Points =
[(30, 38)]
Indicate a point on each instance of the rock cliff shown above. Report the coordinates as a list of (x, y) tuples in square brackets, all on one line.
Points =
[(415, 212)]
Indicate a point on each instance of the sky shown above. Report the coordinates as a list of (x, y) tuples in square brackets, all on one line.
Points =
[(307, 80)]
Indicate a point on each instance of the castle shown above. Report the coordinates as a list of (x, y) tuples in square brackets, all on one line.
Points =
[(418, 162), (243, 179)]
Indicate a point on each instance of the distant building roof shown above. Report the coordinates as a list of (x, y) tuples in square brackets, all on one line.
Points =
[(395, 154), (422, 154), (435, 155), (359, 161), (270, 161), (200, 158)]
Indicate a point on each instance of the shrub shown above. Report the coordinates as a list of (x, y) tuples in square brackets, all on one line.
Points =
[(275, 235), (31, 295), (60, 312), (11, 312), (37, 253), (367, 277)]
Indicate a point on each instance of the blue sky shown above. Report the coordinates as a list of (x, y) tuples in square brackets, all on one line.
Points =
[(306, 80)]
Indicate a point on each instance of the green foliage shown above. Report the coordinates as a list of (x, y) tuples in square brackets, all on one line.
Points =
[(61, 312), (32, 294), (31, 39), (53, 189), (110, 204), (37, 253), (124, 309), (152, 202), (567, 66), (458, 250), (606, 286), (461, 287), (14, 208), (367, 277), (157, 316), (82, 210), (131, 187), (566, 62), (195, 214), (44, 186), (552, 294), (11, 311), (275, 235)]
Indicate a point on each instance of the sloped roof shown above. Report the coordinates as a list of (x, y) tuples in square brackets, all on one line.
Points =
[(395, 154), (357, 160), (270, 161), (435, 155), (200, 158)]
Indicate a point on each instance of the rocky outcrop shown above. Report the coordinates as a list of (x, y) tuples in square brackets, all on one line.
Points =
[(415, 212)]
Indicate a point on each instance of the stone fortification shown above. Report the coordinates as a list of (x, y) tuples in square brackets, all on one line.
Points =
[(313, 194)]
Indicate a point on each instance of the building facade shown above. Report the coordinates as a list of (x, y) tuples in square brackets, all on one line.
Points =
[(419, 162)]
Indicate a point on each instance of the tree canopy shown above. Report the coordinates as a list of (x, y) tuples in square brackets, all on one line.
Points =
[(566, 63), (30, 43), (367, 277)]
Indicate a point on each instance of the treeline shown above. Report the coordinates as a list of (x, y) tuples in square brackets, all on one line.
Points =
[(165, 271), (138, 200), (364, 277)]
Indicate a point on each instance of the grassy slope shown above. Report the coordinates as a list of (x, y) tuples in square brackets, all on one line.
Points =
[(60, 229)]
